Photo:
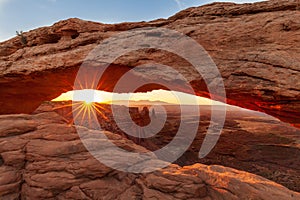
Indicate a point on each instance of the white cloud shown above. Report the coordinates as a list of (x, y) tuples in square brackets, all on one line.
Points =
[(179, 3)]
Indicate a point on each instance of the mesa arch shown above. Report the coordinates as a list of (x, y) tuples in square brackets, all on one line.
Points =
[(258, 59)]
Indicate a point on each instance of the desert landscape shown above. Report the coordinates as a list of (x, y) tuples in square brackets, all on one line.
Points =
[(52, 147)]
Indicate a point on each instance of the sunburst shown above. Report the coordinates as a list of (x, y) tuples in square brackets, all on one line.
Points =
[(85, 113)]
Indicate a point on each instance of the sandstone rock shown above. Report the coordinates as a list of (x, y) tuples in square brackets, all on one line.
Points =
[(250, 141), (50, 162), (255, 46)]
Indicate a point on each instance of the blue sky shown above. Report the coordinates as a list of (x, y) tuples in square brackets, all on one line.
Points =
[(29, 14)]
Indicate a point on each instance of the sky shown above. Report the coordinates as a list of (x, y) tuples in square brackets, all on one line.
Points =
[(25, 15), (172, 97)]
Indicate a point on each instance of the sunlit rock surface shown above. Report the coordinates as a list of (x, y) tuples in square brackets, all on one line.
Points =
[(250, 141), (255, 47), (42, 157)]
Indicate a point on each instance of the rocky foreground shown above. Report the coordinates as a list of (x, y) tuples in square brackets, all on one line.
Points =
[(42, 157), (250, 141), (255, 47)]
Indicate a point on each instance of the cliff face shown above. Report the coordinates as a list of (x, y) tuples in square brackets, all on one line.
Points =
[(42, 157), (256, 47)]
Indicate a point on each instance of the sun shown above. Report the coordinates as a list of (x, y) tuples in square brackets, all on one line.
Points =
[(88, 103), (86, 112)]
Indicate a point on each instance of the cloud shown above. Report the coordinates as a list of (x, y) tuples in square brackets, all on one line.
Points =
[(179, 3)]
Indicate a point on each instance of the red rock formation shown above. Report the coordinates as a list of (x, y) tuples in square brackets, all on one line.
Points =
[(250, 141), (42, 157), (255, 47)]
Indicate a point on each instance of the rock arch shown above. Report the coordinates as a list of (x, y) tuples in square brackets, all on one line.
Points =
[(259, 61)]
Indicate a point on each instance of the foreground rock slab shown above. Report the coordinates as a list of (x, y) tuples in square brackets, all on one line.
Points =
[(250, 141), (42, 157)]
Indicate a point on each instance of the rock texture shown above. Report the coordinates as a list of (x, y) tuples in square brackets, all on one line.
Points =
[(250, 141), (43, 158), (255, 46)]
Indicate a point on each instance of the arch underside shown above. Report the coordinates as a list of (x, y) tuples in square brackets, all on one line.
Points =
[(23, 94)]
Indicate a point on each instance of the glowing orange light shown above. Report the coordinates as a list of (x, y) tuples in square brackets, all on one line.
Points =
[(171, 97), (88, 103)]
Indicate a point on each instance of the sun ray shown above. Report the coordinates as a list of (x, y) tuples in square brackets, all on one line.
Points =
[(95, 118), (100, 112), (100, 107), (80, 112), (94, 113), (86, 107), (67, 105)]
